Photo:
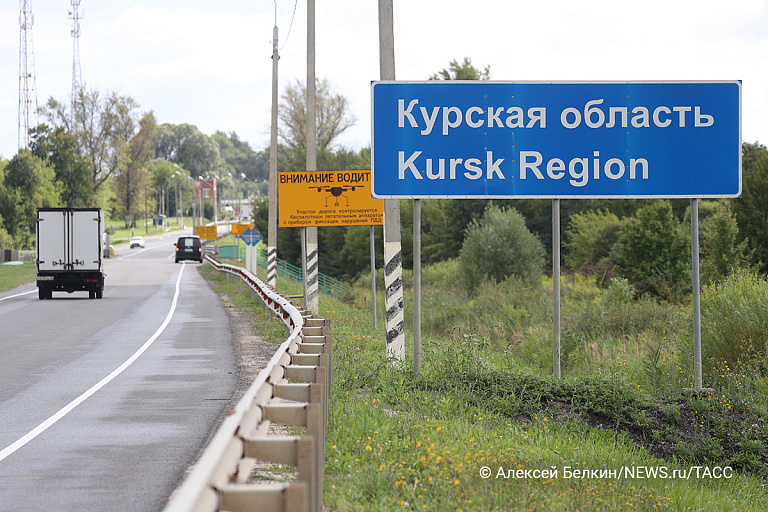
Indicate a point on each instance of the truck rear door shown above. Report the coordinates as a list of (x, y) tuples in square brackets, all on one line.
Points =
[(85, 249), (51, 240)]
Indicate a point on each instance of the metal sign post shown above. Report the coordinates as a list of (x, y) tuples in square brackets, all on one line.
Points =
[(556, 288), (696, 294), (373, 279), (417, 286), (251, 237)]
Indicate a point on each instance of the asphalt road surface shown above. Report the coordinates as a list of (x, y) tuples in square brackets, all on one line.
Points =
[(104, 403)]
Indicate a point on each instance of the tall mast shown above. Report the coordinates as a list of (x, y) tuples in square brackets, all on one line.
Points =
[(77, 83), (27, 86)]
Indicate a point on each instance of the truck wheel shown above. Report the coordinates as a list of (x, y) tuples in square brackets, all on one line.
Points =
[(91, 294), (99, 293), (41, 293)]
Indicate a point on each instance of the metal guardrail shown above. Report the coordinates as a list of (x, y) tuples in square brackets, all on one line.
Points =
[(292, 390)]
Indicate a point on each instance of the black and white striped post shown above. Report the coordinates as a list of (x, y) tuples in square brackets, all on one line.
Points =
[(393, 256)]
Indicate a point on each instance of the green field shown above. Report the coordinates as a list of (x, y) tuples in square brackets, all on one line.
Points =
[(12, 276)]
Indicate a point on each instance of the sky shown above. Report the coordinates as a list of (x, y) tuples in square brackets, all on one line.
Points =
[(209, 63)]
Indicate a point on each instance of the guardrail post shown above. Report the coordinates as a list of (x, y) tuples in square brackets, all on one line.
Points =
[(288, 497), (221, 480)]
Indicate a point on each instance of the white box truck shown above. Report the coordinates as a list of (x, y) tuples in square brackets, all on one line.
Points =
[(69, 251)]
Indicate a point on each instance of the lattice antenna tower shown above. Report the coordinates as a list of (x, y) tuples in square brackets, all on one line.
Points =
[(75, 14), (27, 83)]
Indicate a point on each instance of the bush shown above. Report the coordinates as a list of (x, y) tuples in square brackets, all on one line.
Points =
[(6, 240), (655, 253), (500, 246), (582, 234), (720, 253), (619, 292)]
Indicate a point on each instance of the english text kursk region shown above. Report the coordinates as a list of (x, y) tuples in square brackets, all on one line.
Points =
[(532, 163)]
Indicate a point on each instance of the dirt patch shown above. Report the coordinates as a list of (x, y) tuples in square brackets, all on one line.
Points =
[(252, 351), (675, 431)]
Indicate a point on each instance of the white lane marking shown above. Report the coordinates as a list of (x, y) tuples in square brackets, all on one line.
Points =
[(77, 401), (17, 295), (136, 253)]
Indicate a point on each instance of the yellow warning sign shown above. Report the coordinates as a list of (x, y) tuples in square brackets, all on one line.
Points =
[(327, 198), (206, 233), (239, 229)]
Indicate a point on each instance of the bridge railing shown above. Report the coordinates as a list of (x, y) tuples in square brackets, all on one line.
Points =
[(291, 390)]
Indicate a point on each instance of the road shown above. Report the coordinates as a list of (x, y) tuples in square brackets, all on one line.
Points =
[(105, 403)]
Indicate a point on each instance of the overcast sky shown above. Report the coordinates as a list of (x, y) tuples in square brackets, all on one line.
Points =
[(209, 63)]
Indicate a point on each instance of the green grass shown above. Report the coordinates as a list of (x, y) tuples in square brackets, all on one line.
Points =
[(485, 399), (12, 276)]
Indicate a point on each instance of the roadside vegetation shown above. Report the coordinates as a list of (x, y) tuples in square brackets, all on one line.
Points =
[(485, 400)]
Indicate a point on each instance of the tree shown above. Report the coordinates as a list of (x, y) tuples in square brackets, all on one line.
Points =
[(751, 209), (199, 154), (73, 173), (582, 233), (654, 251), (169, 139), (464, 71), (103, 125), (6, 240), (332, 113), (240, 159), (500, 246), (29, 183), (133, 179), (163, 175), (721, 254)]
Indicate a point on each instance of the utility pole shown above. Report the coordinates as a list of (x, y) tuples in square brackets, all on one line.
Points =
[(393, 256), (27, 85), (272, 235), (312, 297)]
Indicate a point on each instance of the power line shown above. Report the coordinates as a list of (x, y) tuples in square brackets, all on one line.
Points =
[(289, 26)]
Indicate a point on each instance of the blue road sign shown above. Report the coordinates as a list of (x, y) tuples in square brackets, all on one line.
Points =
[(461, 139), (250, 236)]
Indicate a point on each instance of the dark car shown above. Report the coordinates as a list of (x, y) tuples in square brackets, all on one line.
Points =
[(189, 248)]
